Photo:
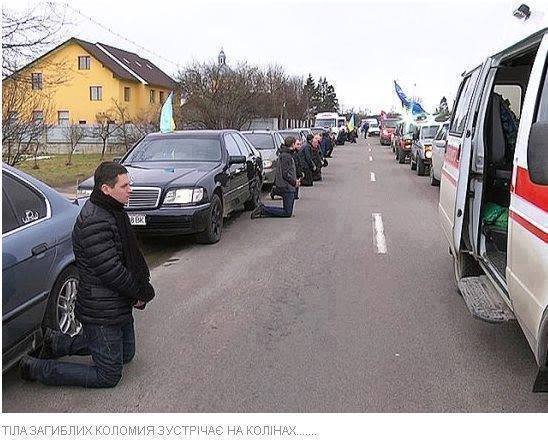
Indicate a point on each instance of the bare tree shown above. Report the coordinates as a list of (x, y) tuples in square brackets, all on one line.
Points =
[(104, 128), (124, 126), (29, 33), (73, 134)]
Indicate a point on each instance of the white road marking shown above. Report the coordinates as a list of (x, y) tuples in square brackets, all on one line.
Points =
[(373, 178), (369, 149), (378, 227), (370, 158)]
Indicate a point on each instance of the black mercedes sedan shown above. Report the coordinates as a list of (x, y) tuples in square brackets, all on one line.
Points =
[(186, 182)]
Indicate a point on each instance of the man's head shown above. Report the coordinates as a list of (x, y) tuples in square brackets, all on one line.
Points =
[(316, 141), (289, 142), (298, 144), (112, 179)]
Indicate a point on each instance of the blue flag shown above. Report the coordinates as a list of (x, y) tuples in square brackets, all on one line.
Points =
[(167, 124), (414, 107)]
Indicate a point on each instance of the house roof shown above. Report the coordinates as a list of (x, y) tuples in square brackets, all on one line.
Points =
[(123, 64)]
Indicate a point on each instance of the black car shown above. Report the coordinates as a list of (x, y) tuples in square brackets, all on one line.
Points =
[(186, 182)]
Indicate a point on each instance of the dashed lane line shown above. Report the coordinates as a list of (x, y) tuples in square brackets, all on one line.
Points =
[(378, 229), (373, 178)]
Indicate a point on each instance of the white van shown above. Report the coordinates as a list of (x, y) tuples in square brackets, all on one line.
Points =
[(331, 121), (494, 191)]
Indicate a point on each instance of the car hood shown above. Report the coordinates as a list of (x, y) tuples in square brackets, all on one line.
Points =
[(163, 174), (269, 155)]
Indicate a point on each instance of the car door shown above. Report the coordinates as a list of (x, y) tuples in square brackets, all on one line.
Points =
[(253, 162), (237, 175), (528, 216), (28, 253), (455, 171), (438, 151)]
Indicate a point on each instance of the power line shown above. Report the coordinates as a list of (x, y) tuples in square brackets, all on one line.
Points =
[(106, 28)]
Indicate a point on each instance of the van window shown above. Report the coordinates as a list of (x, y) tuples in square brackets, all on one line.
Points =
[(542, 112), (458, 120), (513, 95)]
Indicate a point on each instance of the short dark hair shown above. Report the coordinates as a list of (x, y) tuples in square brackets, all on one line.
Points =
[(309, 137), (289, 141), (107, 173)]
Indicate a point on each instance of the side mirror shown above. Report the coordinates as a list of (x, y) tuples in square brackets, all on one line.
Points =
[(537, 157), (236, 159), (117, 159)]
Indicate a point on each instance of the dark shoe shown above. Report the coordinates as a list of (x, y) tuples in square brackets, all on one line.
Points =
[(257, 212), (296, 197), (47, 350), (24, 368), (272, 195)]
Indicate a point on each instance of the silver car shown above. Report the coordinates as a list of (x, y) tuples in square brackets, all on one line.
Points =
[(267, 142), (438, 154)]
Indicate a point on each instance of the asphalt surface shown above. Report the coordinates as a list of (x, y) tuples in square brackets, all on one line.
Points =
[(304, 315)]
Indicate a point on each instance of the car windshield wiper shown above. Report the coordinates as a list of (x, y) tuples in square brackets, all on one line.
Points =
[(135, 166)]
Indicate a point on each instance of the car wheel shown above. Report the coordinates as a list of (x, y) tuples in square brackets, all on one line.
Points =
[(212, 234), (59, 314), (253, 201), (433, 181), (413, 164), (421, 167), (401, 156)]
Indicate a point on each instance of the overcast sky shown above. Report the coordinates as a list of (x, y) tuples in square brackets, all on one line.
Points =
[(360, 46)]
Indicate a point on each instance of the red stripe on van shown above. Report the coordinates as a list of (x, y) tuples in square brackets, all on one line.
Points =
[(449, 177), (529, 226), (452, 155), (531, 192)]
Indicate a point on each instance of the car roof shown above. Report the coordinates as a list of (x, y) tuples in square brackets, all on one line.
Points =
[(258, 132), (198, 133)]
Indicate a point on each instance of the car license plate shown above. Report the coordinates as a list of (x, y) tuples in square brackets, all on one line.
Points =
[(137, 219)]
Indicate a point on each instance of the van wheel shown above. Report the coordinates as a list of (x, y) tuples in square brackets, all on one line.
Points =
[(59, 314), (212, 234), (433, 181), (421, 167)]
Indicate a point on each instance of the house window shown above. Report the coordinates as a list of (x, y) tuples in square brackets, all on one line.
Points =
[(37, 80), (127, 93), (63, 117), (38, 116), (84, 62), (161, 97), (95, 93), (152, 96), (81, 122)]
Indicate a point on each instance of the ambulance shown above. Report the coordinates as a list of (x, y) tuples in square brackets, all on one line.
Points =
[(493, 203)]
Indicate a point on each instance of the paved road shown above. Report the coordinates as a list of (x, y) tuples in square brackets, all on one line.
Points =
[(304, 315)]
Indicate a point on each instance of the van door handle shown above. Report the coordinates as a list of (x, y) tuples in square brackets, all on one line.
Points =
[(39, 249)]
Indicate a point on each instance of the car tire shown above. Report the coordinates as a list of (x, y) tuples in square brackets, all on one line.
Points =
[(212, 234), (413, 164), (421, 167), (253, 201), (401, 156), (433, 181), (59, 314)]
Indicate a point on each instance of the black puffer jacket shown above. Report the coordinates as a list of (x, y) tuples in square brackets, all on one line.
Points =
[(286, 176), (107, 290)]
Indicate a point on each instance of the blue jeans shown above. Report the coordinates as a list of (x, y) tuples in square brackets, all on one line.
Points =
[(110, 347), (287, 210)]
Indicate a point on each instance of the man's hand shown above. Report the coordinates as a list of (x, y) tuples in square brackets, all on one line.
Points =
[(139, 305)]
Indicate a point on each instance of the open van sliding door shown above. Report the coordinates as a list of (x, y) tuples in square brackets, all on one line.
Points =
[(455, 172), (528, 218)]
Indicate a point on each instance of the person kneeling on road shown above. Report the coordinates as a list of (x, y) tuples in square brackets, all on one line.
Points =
[(286, 183), (114, 279), (298, 169)]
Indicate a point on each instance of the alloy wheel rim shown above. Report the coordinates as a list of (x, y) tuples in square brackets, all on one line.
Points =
[(66, 301)]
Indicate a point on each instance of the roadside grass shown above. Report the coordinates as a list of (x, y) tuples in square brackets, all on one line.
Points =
[(56, 173)]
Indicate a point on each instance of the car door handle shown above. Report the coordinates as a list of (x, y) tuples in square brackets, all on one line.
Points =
[(39, 249)]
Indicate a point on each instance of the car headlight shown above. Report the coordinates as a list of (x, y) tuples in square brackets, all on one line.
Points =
[(428, 154), (182, 196), (267, 164), (83, 192)]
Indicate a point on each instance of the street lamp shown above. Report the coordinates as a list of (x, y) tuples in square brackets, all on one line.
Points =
[(523, 12)]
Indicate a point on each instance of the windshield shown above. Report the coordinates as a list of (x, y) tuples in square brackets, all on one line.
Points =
[(325, 123), (174, 149), (390, 123), (261, 141), (317, 130), (429, 132), (295, 134)]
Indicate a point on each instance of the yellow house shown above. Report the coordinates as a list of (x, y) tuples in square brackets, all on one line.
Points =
[(78, 80)]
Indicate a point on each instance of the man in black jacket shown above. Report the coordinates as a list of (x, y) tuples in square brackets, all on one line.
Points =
[(114, 279), (307, 163), (286, 183)]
